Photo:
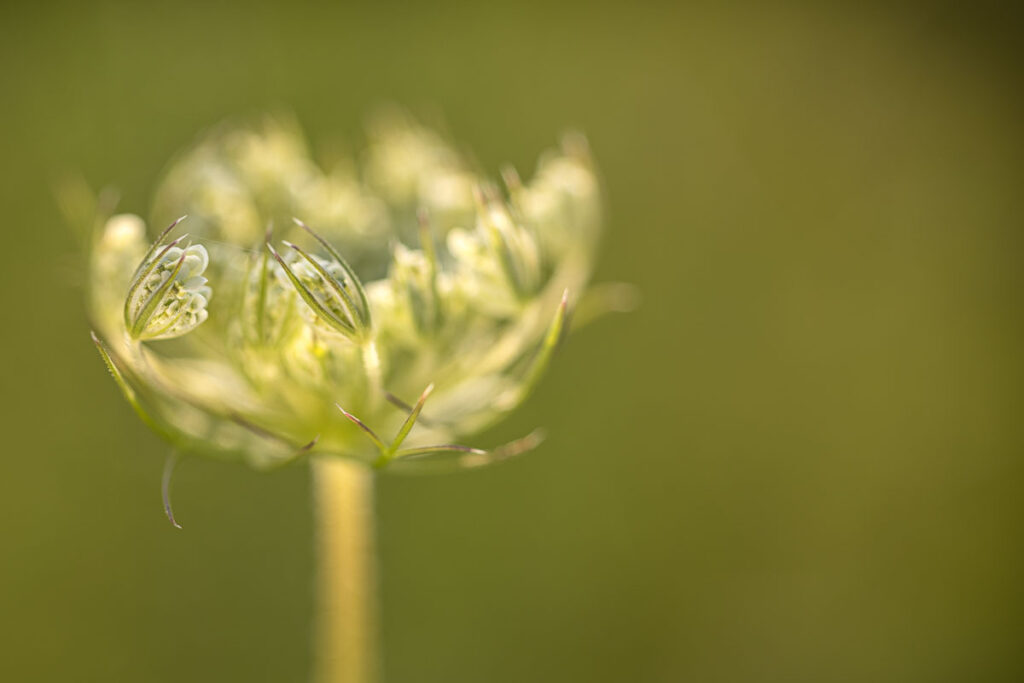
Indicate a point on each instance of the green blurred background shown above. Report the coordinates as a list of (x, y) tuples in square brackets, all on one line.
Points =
[(799, 460)]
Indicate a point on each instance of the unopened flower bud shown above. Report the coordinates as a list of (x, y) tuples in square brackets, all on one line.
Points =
[(414, 279), (269, 305), (168, 294), (329, 286)]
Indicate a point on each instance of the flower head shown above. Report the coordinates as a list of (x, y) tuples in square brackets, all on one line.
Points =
[(313, 305)]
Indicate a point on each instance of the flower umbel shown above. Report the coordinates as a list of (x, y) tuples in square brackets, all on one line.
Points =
[(408, 276)]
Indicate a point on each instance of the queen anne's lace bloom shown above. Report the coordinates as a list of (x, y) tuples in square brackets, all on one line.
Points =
[(266, 338)]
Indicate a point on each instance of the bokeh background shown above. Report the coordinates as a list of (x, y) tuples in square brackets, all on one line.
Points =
[(799, 460)]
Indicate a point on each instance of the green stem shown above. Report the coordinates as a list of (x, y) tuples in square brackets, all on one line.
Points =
[(346, 628)]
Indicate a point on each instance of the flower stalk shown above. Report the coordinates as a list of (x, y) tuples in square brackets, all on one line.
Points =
[(346, 628)]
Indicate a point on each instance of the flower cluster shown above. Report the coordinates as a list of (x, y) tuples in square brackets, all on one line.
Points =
[(313, 305)]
